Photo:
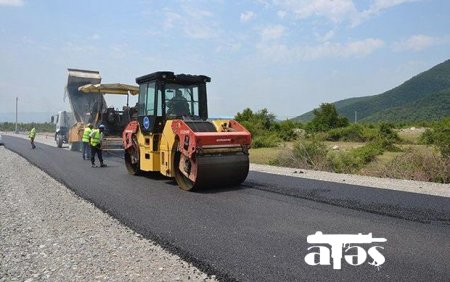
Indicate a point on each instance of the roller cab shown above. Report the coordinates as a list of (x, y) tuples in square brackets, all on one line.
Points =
[(172, 134)]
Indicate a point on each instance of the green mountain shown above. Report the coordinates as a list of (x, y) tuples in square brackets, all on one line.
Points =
[(433, 106), (423, 97)]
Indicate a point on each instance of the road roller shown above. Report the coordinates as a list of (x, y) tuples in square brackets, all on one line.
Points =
[(170, 133)]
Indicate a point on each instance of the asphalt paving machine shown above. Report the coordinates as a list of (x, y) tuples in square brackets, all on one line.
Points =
[(88, 105), (114, 120), (172, 134)]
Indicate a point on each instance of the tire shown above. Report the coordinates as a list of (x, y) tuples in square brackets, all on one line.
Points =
[(183, 182), (59, 141), (132, 169)]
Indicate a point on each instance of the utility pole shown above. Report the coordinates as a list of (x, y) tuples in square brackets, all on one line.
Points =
[(356, 116), (17, 107)]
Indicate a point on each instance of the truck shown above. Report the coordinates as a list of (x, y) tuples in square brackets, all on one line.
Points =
[(63, 120), (85, 108)]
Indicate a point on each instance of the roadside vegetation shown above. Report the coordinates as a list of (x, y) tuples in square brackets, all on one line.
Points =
[(40, 127), (329, 142)]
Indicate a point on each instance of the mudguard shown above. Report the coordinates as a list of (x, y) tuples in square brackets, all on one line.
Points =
[(128, 133)]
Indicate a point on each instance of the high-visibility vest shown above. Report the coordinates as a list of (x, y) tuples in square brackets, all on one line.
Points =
[(86, 133), (32, 133), (95, 138)]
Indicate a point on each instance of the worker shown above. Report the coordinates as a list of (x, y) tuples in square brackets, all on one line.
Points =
[(85, 140), (32, 135), (178, 105), (95, 139)]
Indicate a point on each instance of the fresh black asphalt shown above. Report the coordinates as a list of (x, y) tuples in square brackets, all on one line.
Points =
[(257, 232)]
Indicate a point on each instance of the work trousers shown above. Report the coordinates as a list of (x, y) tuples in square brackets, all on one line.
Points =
[(86, 150), (98, 151), (32, 142)]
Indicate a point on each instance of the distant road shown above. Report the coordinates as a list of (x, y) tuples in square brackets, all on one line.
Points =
[(257, 232)]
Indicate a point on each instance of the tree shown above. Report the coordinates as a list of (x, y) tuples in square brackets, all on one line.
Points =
[(246, 115), (325, 118), (261, 119)]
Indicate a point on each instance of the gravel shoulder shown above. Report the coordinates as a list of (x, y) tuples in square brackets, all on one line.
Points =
[(428, 188), (48, 233)]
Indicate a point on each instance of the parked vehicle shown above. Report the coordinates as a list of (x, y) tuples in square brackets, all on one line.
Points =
[(63, 121)]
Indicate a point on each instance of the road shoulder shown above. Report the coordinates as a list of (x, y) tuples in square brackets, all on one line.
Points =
[(49, 232)]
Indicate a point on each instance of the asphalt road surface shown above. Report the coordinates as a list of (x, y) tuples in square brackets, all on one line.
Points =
[(258, 231)]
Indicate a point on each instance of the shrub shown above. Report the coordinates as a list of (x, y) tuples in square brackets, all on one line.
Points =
[(386, 132), (265, 140), (370, 132), (265, 130), (344, 162), (354, 132), (349, 162), (287, 129), (385, 138), (439, 136), (306, 154), (367, 153), (420, 166), (427, 137)]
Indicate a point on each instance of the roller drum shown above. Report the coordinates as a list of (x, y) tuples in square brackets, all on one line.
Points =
[(216, 171)]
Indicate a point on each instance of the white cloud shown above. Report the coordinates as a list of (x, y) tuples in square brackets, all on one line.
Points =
[(247, 16), (197, 13), (195, 23), (325, 37), (16, 3), (171, 18), (230, 47), (199, 31), (281, 14), (378, 6), (282, 53), (419, 42), (337, 10), (95, 36), (272, 32)]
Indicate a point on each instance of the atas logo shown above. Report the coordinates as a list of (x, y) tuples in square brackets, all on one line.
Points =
[(146, 122), (353, 255)]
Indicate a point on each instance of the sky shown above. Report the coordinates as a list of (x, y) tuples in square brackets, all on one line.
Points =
[(288, 56)]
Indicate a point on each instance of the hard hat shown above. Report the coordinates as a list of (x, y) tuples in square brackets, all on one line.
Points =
[(89, 125), (101, 126)]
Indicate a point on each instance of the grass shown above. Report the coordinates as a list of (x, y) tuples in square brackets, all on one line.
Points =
[(383, 165), (267, 155), (346, 146), (411, 136), (379, 163)]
